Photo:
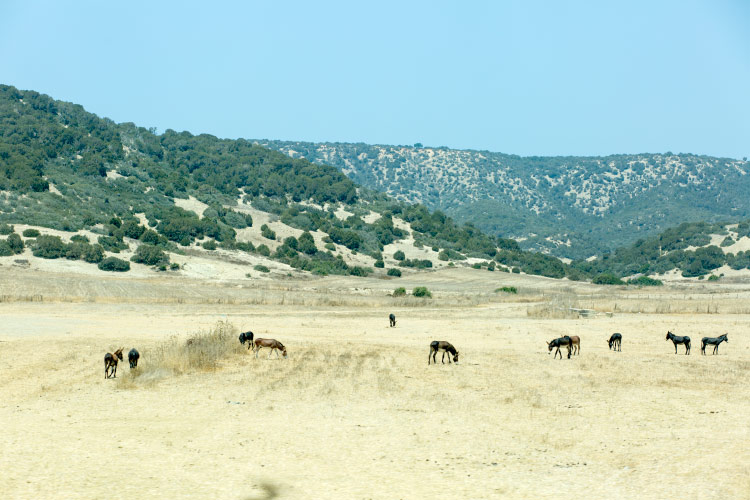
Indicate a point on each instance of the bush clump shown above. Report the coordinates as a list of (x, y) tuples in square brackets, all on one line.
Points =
[(379, 264), (114, 264), (506, 289), (645, 281), (394, 272), (267, 232), (48, 247), (399, 292), (399, 255), (6, 229), (607, 279), (31, 233), (262, 268), (421, 291), (150, 255)]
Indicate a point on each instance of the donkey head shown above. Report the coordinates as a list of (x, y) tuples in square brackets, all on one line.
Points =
[(455, 357), (668, 334), (118, 353)]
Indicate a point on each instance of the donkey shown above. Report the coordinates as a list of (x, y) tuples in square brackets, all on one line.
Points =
[(274, 344), (615, 341), (444, 346), (714, 341), (575, 344), (133, 356), (110, 363), (392, 319), (679, 340), (558, 343), (247, 337)]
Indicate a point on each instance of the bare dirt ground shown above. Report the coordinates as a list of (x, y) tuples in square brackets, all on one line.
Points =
[(356, 412)]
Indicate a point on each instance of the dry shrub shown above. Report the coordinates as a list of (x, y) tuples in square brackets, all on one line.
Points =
[(202, 351)]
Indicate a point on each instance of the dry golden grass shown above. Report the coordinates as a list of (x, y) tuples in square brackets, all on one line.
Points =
[(355, 412)]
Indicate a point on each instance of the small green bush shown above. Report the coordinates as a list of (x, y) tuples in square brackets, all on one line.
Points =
[(607, 279), (15, 243), (114, 264), (516, 270), (174, 266), (267, 232), (645, 281), (331, 247), (6, 229), (262, 268), (476, 265), (421, 291), (49, 247), (399, 255), (5, 250), (394, 272), (209, 244), (359, 271), (379, 264), (263, 250), (79, 238), (31, 233), (150, 255), (399, 292), (507, 289), (713, 277)]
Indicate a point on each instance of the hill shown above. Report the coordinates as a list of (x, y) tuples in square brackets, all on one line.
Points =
[(119, 196), (572, 207)]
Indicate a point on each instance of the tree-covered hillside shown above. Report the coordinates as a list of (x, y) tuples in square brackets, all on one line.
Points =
[(570, 206), (64, 168)]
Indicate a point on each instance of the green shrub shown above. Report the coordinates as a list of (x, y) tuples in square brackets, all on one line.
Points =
[(174, 266), (394, 272), (516, 270), (607, 279), (713, 277), (421, 291), (359, 271), (150, 255), (449, 254), (114, 264), (79, 238), (399, 292), (6, 229), (15, 243), (112, 244), (645, 281), (31, 233), (476, 265), (306, 244), (331, 247), (379, 264), (267, 232), (263, 250), (399, 255), (5, 250), (209, 244), (49, 247), (506, 289), (418, 263), (491, 266), (262, 268)]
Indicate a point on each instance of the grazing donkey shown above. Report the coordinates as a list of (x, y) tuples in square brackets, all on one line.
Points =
[(133, 356), (247, 337), (444, 346), (679, 340), (714, 341), (110, 363), (274, 344), (392, 319), (558, 343), (575, 344), (615, 341)]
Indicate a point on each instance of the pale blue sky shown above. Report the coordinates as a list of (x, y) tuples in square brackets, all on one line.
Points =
[(526, 77)]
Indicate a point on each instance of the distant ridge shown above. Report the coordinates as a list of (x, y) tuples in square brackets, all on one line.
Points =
[(570, 206)]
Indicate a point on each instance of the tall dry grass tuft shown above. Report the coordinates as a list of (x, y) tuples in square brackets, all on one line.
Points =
[(202, 351)]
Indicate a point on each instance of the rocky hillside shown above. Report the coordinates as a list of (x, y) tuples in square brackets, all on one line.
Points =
[(570, 206)]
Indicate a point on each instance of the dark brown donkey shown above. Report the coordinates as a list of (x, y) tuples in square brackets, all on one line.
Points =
[(273, 344), (441, 345), (110, 363), (564, 341)]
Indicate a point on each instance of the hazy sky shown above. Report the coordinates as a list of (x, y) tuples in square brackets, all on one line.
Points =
[(525, 77)]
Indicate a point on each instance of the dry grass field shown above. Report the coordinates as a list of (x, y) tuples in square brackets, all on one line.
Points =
[(356, 412)]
